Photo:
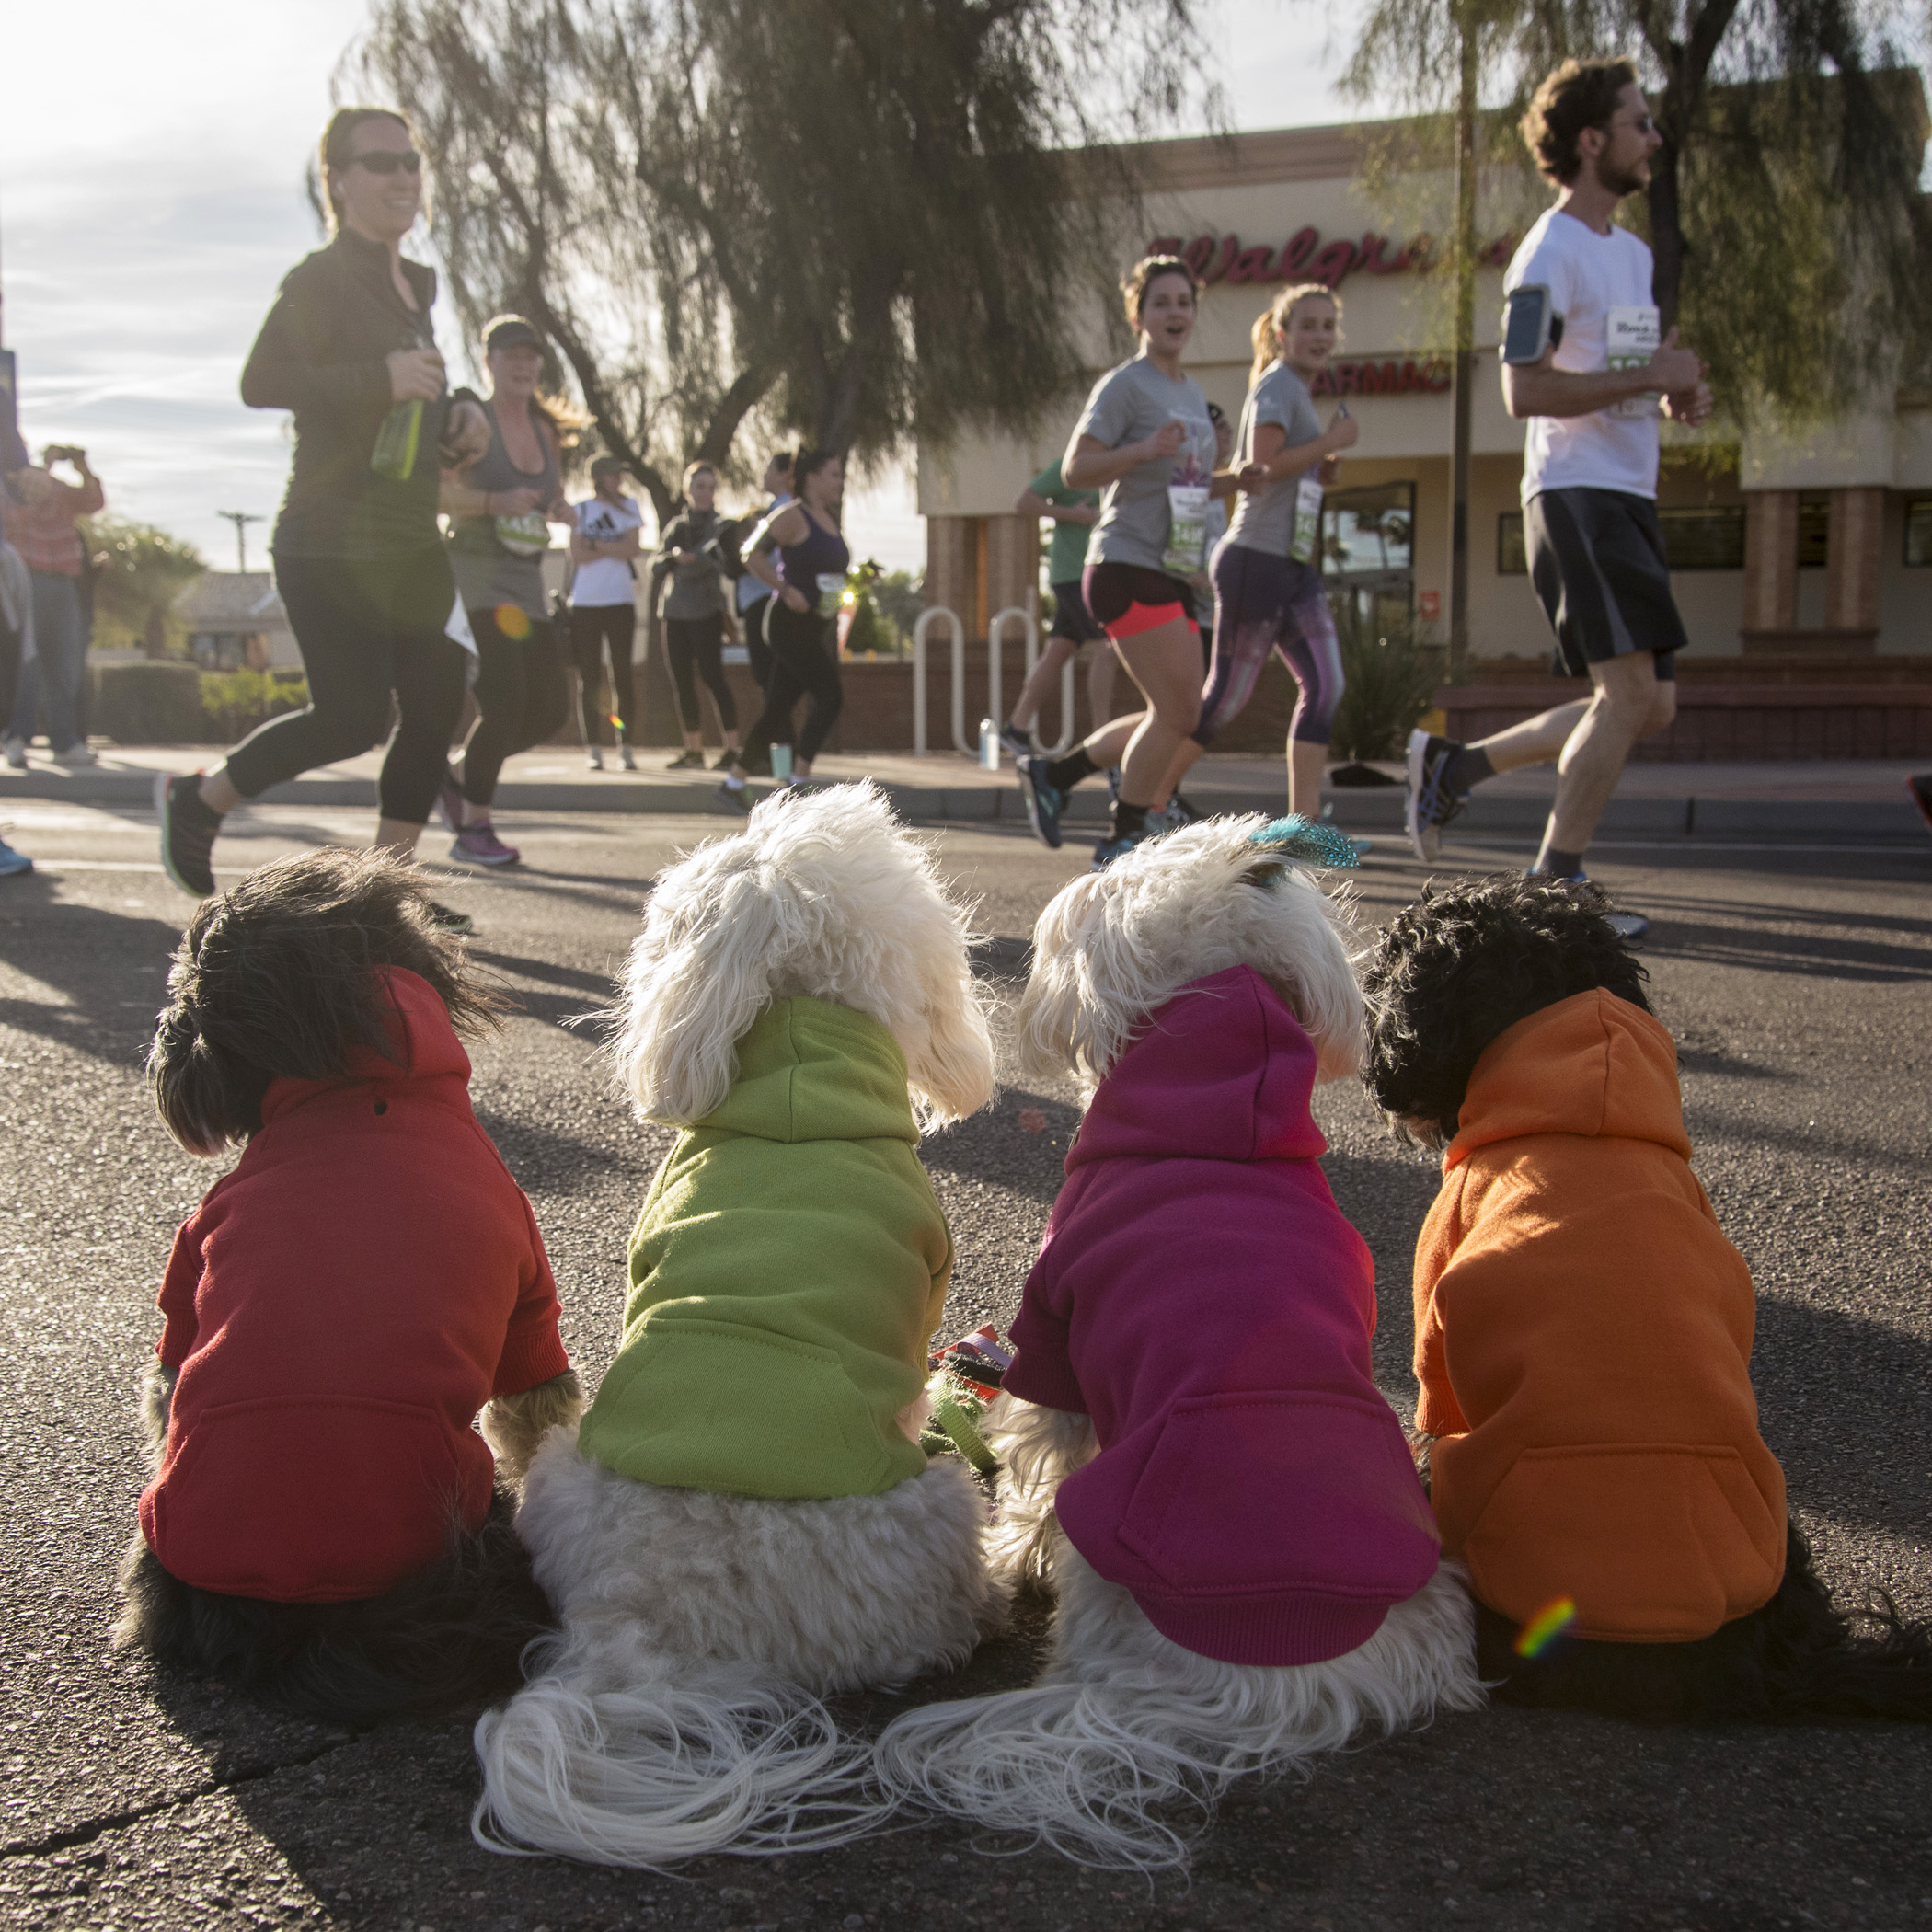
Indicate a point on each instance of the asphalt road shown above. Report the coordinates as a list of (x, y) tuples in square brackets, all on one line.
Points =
[(1797, 981)]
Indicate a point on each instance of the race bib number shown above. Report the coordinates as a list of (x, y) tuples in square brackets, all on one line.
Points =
[(831, 594), (457, 629), (1187, 529), (1633, 336), (1307, 521), (525, 535)]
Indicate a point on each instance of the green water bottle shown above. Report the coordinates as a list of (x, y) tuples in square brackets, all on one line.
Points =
[(395, 453)]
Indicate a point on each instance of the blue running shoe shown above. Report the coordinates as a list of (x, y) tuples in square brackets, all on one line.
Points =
[(1045, 801), (1430, 804), (1016, 740), (1109, 849), (12, 861)]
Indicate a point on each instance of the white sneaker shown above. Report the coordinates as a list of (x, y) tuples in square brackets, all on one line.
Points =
[(16, 750), (75, 757), (625, 758), (593, 758)]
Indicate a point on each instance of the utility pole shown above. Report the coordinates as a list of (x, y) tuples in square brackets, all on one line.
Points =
[(1463, 13), (241, 518)]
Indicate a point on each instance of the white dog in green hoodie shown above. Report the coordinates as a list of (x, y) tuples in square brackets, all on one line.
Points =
[(745, 1522)]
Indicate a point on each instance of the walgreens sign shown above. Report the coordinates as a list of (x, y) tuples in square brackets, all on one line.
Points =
[(1304, 257)]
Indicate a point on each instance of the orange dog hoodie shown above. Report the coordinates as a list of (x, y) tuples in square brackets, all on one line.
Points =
[(1583, 1345)]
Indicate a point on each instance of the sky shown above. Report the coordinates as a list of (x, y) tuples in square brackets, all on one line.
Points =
[(152, 199)]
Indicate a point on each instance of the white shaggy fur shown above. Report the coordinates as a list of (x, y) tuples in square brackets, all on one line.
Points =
[(1113, 946), (677, 1710), (1125, 1724), (825, 895)]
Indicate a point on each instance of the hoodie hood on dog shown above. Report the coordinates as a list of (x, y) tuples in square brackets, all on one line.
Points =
[(1200, 1295), (1583, 1339), (788, 1272)]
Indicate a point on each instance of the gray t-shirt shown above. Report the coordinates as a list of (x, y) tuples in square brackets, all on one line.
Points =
[(1128, 404), (1264, 520)]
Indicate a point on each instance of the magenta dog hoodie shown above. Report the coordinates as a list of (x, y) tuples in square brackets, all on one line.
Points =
[(1202, 1297)]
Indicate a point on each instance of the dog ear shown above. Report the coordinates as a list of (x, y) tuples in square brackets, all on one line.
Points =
[(953, 1073), (691, 992), (1055, 1029), (1323, 990)]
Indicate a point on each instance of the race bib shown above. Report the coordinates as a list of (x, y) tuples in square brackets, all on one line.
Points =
[(525, 535), (1307, 521), (1187, 529), (1633, 336), (831, 594), (456, 629)]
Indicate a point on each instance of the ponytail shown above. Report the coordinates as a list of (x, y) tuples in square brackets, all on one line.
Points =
[(1272, 319)]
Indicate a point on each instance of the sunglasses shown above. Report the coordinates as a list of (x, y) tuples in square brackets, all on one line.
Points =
[(387, 160)]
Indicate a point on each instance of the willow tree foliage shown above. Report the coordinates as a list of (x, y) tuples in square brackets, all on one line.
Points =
[(853, 220), (1784, 207)]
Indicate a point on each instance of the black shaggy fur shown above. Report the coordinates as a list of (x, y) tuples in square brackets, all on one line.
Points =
[(277, 978), (1796, 1659), (1465, 963), (452, 1633)]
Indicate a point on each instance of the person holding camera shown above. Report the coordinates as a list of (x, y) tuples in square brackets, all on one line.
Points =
[(1591, 397), (42, 516), (359, 562)]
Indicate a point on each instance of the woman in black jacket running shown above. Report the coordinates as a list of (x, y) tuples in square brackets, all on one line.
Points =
[(359, 562)]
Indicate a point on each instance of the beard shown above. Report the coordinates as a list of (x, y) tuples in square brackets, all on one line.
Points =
[(1621, 181)]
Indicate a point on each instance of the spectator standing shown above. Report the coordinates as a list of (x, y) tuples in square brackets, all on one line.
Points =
[(41, 517), (15, 646), (1073, 512), (1588, 474), (359, 562), (502, 507), (695, 614), (604, 607)]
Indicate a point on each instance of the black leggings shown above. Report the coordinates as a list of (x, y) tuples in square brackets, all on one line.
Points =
[(758, 653), (593, 626), (804, 664), (696, 645), (522, 698), (366, 629)]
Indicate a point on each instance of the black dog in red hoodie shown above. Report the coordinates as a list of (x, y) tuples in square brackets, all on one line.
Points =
[(324, 1525)]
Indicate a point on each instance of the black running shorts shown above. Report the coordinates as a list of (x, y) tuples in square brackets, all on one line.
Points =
[(1071, 620), (1596, 558)]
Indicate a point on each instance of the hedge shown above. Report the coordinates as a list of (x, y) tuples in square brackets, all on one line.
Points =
[(147, 703)]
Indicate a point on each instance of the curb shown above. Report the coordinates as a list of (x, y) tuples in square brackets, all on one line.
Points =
[(1371, 811)]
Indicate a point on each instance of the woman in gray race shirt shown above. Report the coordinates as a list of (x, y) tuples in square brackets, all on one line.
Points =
[(1146, 441), (500, 508)]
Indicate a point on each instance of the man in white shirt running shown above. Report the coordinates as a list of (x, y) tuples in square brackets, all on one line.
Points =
[(1589, 476)]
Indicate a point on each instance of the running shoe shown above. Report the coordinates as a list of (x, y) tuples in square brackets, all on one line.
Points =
[(625, 761), (1430, 805), (1625, 926), (593, 759), (76, 757), (1183, 811), (450, 920), (1109, 849), (734, 798), (449, 802), (12, 862), (728, 761), (188, 829), (16, 751), (1045, 801), (757, 764), (1015, 740), (1921, 789), (686, 762), (481, 846), (1113, 785)]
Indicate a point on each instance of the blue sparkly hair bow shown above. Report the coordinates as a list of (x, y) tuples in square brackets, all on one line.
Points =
[(1308, 843)]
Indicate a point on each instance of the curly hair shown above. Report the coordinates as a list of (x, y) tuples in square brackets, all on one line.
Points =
[(1462, 965), (1144, 273), (1579, 95), (277, 978)]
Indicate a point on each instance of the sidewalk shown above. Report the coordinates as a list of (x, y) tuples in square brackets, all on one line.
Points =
[(1807, 799)]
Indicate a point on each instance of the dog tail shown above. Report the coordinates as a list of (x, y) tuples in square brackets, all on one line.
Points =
[(615, 1756), (454, 1632), (1122, 1768)]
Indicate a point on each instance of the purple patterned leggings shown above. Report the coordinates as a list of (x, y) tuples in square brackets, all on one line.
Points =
[(1266, 603)]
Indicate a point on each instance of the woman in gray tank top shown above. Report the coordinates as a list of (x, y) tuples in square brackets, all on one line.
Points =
[(500, 508)]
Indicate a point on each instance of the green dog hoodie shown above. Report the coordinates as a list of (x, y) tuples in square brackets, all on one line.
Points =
[(786, 1276)]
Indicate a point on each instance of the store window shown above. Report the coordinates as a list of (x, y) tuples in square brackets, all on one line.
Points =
[(1814, 530), (1511, 556), (1918, 531), (1368, 551)]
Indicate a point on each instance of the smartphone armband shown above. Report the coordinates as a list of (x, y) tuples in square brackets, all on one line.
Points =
[(1529, 324)]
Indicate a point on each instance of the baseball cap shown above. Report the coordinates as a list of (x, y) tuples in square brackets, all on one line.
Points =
[(509, 332)]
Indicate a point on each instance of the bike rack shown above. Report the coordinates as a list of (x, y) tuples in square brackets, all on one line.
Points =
[(925, 620), (969, 748), (1059, 747)]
